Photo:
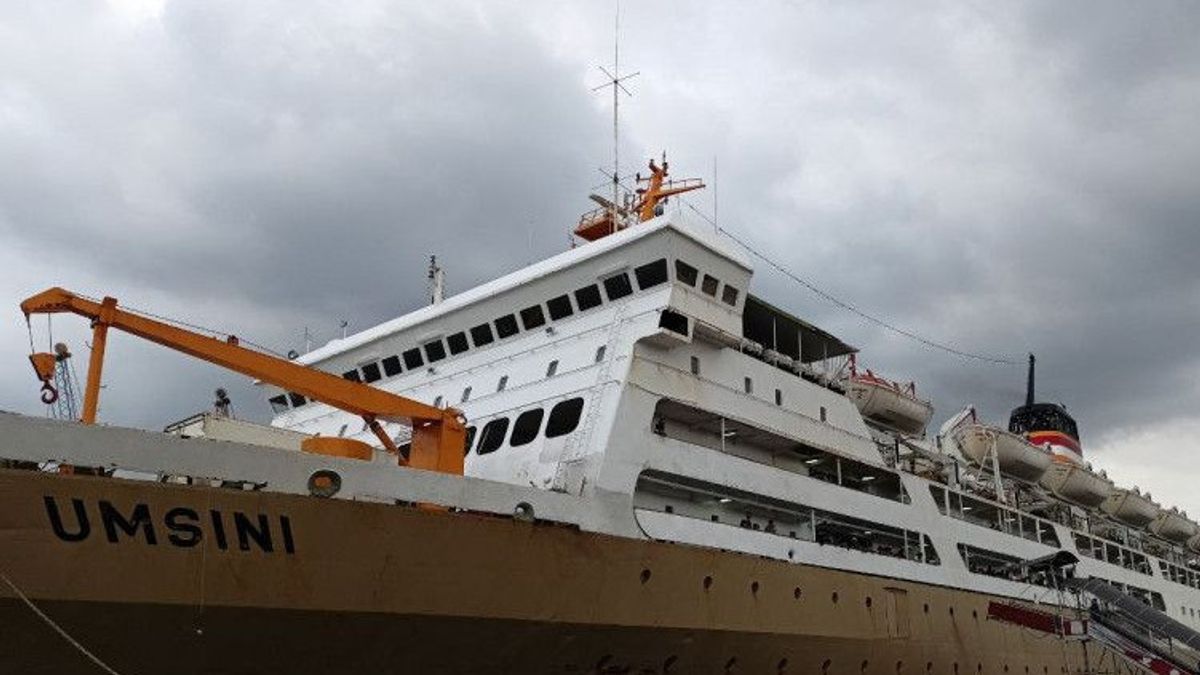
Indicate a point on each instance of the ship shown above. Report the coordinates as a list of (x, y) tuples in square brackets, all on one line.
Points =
[(619, 459)]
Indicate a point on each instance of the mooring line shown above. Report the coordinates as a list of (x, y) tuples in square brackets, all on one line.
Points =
[(57, 628)]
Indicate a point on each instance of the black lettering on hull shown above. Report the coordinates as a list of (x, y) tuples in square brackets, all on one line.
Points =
[(84, 526)]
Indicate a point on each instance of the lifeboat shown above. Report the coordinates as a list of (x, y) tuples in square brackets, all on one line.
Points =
[(887, 403), (1174, 526), (1194, 544), (1077, 483), (1015, 456), (1131, 507)]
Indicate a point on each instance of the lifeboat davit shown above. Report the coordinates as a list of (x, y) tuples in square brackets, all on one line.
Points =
[(887, 403), (1077, 483), (1015, 456), (1173, 525), (1131, 507)]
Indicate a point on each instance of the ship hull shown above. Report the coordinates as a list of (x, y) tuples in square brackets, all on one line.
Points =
[(264, 583)]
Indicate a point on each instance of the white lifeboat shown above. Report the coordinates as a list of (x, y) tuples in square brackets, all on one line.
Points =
[(887, 403), (1173, 525), (1014, 455), (1131, 507), (1194, 544), (1077, 483)]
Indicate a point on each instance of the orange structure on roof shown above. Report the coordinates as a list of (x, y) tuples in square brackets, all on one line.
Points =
[(611, 218)]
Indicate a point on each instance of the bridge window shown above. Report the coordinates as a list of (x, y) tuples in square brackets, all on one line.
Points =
[(526, 428), (729, 295), (457, 343), (296, 399), (352, 375), (588, 297), (685, 273), (492, 436), (560, 307), (436, 351), (279, 403), (412, 358), (564, 417), (532, 317), (617, 286), (651, 274), (371, 372), (506, 326), (482, 335), (709, 285), (391, 365), (674, 322)]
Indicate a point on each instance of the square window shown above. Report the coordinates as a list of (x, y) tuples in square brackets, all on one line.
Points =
[(413, 359), (617, 286), (587, 297), (778, 397), (560, 307), (296, 399), (506, 326), (695, 365), (673, 321), (685, 273), (749, 385), (458, 343), (709, 285), (823, 413), (371, 372), (391, 366), (729, 295), (352, 375), (280, 403), (482, 335), (532, 317), (651, 274), (436, 351)]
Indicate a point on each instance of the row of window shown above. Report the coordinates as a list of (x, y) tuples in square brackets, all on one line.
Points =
[(708, 284), (723, 504), (994, 516), (1180, 575), (697, 426), (1151, 598), (562, 420), (589, 297), (1114, 554)]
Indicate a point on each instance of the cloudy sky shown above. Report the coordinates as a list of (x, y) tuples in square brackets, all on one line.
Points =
[(1002, 177)]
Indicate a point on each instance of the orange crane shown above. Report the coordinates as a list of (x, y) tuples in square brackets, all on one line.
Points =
[(438, 435)]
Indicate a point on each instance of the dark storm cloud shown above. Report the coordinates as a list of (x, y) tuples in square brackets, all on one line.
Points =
[(1002, 177)]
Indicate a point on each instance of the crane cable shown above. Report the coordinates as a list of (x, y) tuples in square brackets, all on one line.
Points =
[(828, 297)]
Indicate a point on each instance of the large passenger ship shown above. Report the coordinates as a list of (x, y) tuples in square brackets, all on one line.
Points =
[(661, 472)]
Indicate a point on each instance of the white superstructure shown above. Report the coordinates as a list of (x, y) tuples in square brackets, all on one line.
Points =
[(636, 375)]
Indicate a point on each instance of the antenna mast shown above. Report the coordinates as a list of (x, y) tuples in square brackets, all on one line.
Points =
[(615, 78)]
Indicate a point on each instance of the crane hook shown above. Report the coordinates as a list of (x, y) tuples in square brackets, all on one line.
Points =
[(49, 393)]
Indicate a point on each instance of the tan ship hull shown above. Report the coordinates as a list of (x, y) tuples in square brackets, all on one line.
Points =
[(158, 581)]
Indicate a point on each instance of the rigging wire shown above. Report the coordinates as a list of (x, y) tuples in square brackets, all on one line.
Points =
[(829, 297), (203, 329)]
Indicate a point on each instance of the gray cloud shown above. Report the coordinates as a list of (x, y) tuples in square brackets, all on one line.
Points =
[(1005, 178)]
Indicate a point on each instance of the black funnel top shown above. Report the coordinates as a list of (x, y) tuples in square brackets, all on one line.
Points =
[(1029, 382)]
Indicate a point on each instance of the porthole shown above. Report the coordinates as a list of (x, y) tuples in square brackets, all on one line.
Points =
[(708, 582), (781, 667), (645, 576), (927, 608), (796, 593), (863, 666), (868, 602), (825, 666), (754, 588), (834, 597)]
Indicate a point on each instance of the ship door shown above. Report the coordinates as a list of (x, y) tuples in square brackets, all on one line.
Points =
[(896, 611)]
